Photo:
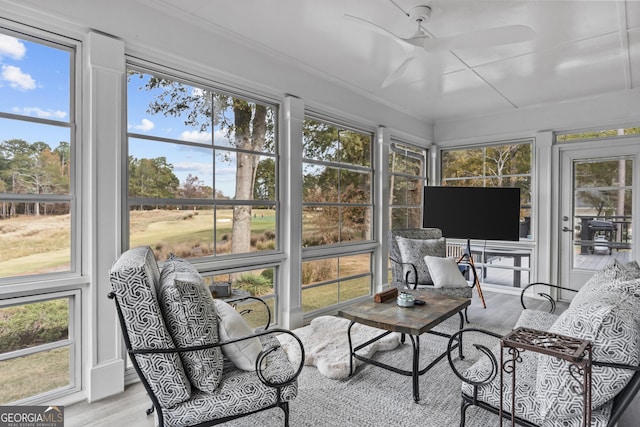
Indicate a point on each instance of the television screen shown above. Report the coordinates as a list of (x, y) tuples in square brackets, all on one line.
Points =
[(473, 212)]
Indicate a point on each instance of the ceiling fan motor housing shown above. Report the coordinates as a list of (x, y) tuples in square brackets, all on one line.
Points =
[(420, 13)]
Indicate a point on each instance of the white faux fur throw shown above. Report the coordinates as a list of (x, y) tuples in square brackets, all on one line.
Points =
[(326, 344)]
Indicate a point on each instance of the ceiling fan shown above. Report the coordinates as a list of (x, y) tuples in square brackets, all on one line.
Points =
[(421, 39)]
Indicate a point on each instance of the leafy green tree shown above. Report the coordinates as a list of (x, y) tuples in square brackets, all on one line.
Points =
[(492, 166), (152, 178), (247, 125), (265, 182), (16, 154), (337, 185), (608, 133), (31, 169), (63, 151)]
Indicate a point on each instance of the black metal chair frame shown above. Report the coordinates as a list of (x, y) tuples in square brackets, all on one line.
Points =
[(620, 403), (284, 405), (414, 284)]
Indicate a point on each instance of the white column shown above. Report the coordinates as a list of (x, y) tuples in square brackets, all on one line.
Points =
[(434, 173), (381, 205), (102, 174), (546, 211), (290, 278)]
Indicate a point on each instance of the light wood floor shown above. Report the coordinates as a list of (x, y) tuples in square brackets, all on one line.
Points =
[(127, 409)]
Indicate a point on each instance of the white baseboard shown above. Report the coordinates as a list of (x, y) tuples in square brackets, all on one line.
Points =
[(105, 380)]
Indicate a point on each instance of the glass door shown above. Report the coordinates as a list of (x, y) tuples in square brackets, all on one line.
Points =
[(597, 201)]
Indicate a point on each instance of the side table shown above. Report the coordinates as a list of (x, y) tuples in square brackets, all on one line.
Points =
[(575, 351)]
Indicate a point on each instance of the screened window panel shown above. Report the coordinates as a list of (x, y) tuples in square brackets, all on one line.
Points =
[(355, 187), (37, 146), (407, 176), (317, 271), (39, 331), (399, 190), (192, 148)]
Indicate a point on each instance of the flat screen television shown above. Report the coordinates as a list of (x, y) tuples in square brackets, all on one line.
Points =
[(473, 212)]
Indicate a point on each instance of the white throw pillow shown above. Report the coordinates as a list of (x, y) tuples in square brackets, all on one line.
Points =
[(242, 354), (445, 272)]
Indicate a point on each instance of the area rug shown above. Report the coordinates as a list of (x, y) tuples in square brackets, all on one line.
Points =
[(326, 344), (374, 397)]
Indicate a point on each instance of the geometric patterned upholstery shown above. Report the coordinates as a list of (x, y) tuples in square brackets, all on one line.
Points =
[(535, 319), (528, 405), (133, 280), (605, 311), (614, 337), (191, 317), (240, 392), (613, 273)]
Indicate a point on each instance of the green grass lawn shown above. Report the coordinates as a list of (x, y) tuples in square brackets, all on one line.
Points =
[(30, 375), (34, 245), (37, 373)]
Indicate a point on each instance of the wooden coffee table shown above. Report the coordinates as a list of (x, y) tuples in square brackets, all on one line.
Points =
[(413, 321)]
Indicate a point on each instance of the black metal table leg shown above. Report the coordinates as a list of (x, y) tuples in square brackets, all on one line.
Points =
[(460, 355), (415, 373), (350, 348)]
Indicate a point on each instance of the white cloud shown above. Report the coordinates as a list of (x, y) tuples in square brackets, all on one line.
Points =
[(202, 170), (195, 136), (145, 125), (16, 78), (39, 112), (11, 47)]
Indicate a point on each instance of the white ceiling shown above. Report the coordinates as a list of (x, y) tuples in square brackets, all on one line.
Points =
[(580, 49)]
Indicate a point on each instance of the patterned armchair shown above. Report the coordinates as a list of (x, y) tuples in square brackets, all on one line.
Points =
[(547, 391), (407, 248), (200, 363)]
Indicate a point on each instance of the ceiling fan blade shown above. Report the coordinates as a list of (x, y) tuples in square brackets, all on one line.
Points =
[(398, 72), (380, 30), (483, 38)]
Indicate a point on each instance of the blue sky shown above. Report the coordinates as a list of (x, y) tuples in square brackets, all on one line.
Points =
[(34, 82), (196, 160)]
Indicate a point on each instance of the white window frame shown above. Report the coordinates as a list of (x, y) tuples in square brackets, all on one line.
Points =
[(423, 177), (204, 263), (339, 250), (524, 244), (73, 342), (40, 287)]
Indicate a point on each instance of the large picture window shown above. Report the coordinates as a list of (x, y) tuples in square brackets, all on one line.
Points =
[(201, 169), (501, 165), (496, 165), (36, 144), (337, 213), (39, 224), (407, 176), (337, 184)]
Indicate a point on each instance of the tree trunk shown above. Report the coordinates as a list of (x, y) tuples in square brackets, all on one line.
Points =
[(246, 165)]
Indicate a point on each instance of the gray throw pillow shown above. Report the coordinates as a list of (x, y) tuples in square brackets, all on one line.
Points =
[(613, 273), (192, 319), (134, 278), (413, 251), (615, 338)]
